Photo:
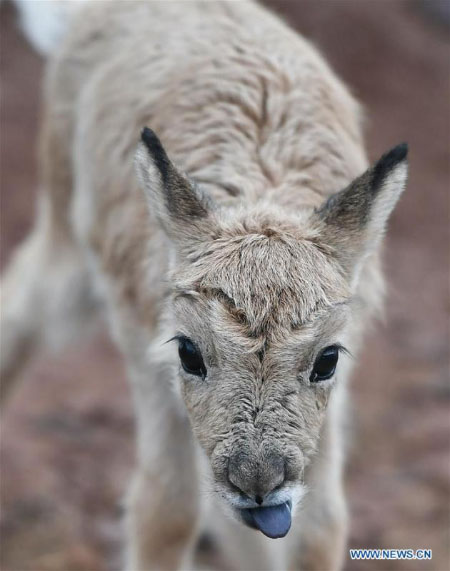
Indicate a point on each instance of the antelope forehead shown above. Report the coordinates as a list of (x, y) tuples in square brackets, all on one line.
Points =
[(263, 263), (262, 304), (261, 311), (266, 283), (281, 290)]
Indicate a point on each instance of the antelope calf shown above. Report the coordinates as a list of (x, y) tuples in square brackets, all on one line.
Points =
[(236, 255)]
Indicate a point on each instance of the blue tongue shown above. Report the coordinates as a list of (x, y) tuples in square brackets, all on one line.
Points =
[(273, 521)]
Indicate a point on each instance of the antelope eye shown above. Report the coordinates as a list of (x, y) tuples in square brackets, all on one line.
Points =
[(191, 358), (325, 364)]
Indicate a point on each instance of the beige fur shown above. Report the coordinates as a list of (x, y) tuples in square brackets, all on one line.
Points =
[(239, 251)]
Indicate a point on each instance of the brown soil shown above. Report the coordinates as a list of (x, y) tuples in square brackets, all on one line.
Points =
[(67, 434)]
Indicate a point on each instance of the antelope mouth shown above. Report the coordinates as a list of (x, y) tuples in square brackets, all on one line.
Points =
[(272, 521)]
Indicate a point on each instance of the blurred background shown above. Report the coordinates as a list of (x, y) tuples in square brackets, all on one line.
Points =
[(67, 435)]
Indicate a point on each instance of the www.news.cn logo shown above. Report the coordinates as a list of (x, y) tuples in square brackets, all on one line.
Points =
[(391, 553)]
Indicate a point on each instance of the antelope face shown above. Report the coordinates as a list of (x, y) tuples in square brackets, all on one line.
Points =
[(258, 350), (261, 306)]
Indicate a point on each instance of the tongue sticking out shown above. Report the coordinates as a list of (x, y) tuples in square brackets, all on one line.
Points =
[(273, 521)]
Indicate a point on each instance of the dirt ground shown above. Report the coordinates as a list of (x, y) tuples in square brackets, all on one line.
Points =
[(67, 434)]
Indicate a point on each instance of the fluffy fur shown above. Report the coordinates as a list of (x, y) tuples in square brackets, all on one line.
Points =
[(249, 228)]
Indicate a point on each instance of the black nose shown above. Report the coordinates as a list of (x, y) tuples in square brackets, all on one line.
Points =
[(256, 479)]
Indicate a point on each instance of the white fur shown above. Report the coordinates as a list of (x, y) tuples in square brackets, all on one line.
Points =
[(44, 22)]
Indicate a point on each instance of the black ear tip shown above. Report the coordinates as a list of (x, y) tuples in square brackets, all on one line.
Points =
[(388, 162), (392, 158), (401, 151), (149, 137), (395, 155), (153, 144), (156, 151)]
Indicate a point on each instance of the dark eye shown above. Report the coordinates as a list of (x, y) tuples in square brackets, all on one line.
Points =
[(325, 364), (191, 358)]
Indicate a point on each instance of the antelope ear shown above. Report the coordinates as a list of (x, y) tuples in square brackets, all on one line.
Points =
[(352, 222), (178, 204)]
